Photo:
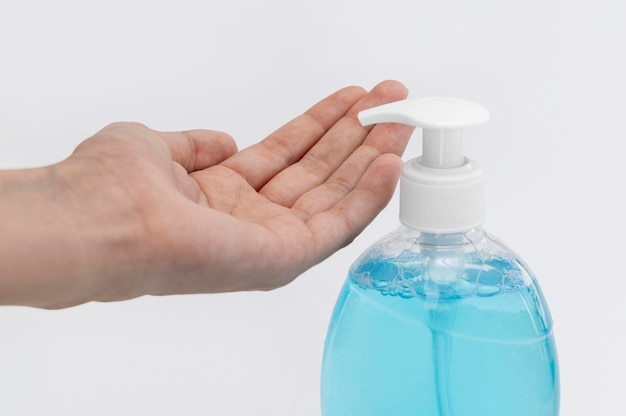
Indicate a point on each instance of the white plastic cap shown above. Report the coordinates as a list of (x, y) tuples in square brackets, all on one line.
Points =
[(442, 191)]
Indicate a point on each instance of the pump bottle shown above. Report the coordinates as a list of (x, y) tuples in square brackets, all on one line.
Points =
[(439, 318)]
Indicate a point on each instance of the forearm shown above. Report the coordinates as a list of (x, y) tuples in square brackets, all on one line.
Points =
[(34, 240), (54, 249)]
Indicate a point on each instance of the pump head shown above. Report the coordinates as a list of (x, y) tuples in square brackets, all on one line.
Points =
[(442, 191)]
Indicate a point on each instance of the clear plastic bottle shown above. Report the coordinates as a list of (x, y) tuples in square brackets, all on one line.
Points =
[(439, 318), (448, 324)]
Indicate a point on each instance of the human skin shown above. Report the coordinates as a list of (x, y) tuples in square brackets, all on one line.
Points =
[(136, 212)]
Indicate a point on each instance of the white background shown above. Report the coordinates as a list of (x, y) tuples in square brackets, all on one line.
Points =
[(551, 72)]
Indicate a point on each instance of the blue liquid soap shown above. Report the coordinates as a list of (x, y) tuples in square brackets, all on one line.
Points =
[(440, 325)]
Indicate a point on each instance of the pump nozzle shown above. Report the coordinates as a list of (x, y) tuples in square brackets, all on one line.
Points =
[(442, 119), (441, 191)]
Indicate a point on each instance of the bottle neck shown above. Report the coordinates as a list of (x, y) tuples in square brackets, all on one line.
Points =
[(445, 253), (451, 239)]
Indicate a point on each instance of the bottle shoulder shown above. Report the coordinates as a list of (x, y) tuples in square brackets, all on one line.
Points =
[(474, 272), (409, 263)]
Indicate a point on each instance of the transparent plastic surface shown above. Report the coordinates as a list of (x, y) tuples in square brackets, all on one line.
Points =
[(448, 325)]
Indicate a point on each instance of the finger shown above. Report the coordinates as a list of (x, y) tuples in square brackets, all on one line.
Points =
[(342, 182), (343, 142), (346, 177), (262, 161), (199, 149), (336, 227)]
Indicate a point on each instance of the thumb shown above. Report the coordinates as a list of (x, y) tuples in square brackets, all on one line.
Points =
[(199, 149)]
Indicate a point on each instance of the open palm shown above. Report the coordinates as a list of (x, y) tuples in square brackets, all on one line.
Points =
[(167, 213)]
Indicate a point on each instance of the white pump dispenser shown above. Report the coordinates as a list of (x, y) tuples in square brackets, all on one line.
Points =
[(441, 191)]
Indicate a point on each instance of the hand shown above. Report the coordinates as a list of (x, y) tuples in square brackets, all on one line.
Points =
[(135, 211)]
